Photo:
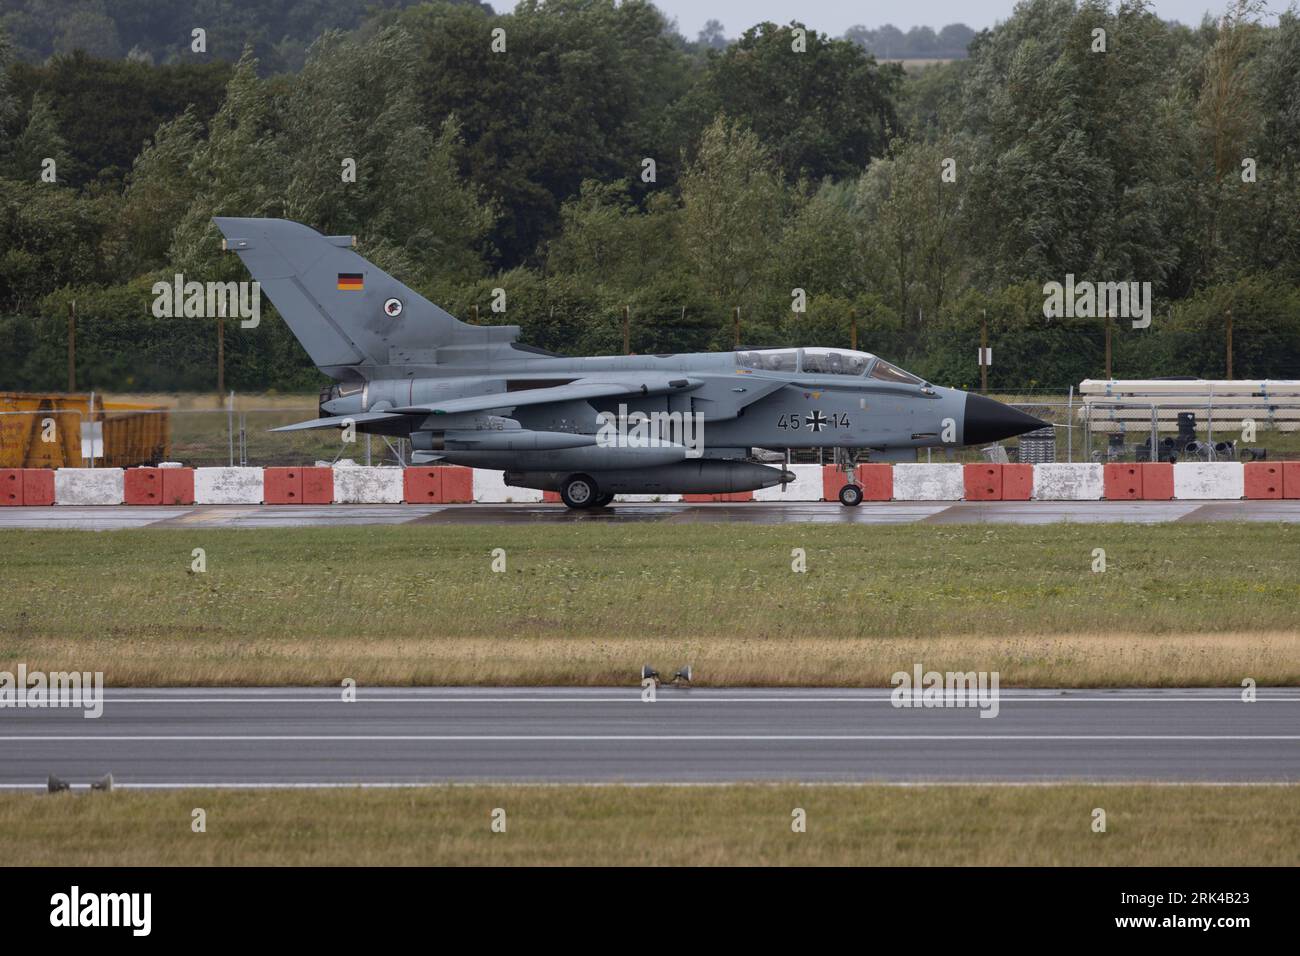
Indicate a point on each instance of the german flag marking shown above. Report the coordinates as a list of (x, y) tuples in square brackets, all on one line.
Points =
[(351, 281)]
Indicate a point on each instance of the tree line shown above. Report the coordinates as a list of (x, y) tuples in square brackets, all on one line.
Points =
[(599, 162)]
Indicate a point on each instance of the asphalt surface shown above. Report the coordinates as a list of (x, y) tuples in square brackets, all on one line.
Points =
[(300, 737), (112, 517)]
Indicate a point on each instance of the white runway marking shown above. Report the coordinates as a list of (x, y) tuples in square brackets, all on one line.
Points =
[(641, 784), (628, 737), (633, 697)]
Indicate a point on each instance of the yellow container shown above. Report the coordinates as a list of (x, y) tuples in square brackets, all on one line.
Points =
[(46, 430)]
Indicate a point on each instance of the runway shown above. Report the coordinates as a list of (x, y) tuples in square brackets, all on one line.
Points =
[(312, 737), (116, 517)]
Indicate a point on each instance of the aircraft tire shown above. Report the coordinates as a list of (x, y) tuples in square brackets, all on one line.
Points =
[(851, 496), (579, 491)]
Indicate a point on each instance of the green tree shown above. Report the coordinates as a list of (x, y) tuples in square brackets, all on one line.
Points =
[(160, 190), (575, 95), (606, 240), (911, 227), (6, 99), (39, 142), (1065, 180), (354, 109), (818, 248), (238, 169), (106, 109), (825, 111), (48, 238), (734, 204)]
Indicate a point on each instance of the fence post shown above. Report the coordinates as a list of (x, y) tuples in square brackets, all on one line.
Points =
[(1069, 427), (1155, 433)]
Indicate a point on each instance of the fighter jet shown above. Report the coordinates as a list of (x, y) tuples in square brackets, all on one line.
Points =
[(593, 427)]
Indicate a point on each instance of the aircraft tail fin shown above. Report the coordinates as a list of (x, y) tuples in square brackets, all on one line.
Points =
[(346, 312)]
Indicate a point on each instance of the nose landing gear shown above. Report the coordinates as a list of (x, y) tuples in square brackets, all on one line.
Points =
[(851, 493)]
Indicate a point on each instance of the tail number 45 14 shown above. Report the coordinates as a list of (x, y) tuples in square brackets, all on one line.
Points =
[(814, 422)]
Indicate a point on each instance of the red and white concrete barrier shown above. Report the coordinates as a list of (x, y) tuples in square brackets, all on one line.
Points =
[(170, 484)]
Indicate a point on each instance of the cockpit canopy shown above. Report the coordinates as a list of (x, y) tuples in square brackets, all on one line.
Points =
[(821, 361)]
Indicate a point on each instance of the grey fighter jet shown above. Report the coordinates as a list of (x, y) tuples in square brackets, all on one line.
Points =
[(590, 428)]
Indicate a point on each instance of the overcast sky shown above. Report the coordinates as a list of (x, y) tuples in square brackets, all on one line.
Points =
[(835, 16)]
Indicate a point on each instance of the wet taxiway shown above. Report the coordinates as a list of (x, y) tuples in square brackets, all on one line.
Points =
[(113, 517)]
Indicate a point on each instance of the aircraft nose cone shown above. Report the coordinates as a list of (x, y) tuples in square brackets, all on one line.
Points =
[(989, 421)]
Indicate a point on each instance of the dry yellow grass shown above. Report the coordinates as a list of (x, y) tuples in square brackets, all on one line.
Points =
[(740, 825), (1080, 660)]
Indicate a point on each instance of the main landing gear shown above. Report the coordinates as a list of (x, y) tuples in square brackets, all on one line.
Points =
[(581, 491)]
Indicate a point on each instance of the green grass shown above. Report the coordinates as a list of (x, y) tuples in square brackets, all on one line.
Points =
[(1178, 604), (582, 825)]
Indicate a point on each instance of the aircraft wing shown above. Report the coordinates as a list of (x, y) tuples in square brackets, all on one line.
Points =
[(574, 391), (337, 421)]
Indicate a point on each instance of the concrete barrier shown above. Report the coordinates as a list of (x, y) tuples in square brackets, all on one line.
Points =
[(422, 484), (38, 486), (178, 485), (1122, 481), (26, 486), (1157, 481), (317, 486), (1263, 479), (876, 481), (929, 482), (143, 486), (1017, 481), (807, 486), (1068, 482), (366, 485), (1291, 479), (11, 486), (490, 486), (982, 481), (89, 486), (227, 486), (902, 482), (282, 486), (457, 484), (1208, 480)]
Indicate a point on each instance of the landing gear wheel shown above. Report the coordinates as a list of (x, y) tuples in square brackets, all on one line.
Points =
[(604, 499), (579, 491), (851, 496)]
